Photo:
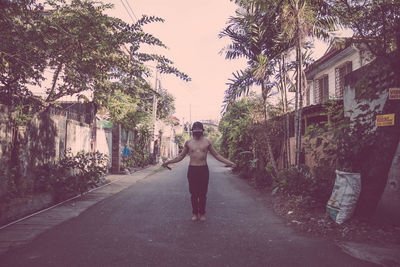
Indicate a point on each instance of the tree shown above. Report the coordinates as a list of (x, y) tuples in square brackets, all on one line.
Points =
[(84, 50), (376, 23), (251, 38), (300, 19), (165, 104), (283, 88), (22, 49), (235, 131)]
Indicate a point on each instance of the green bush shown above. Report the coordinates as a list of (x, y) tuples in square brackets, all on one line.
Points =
[(72, 174), (301, 182), (296, 180), (137, 158), (8, 186)]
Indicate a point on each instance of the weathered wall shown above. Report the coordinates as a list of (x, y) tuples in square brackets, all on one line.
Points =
[(389, 205), (78, 136), (39, 140), (376, 160), (309, 158), (44, 139), (5, 135), (5, 141), (116, 149), (37, 144), (104, 142)]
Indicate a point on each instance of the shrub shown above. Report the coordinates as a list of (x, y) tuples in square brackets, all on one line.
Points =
[(296, 180), (136, 158), (71, 174), (300, 181), (8, 186)]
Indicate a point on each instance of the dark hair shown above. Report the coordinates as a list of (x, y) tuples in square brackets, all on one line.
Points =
[(197, 125)]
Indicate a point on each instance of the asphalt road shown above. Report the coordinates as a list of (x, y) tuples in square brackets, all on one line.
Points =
[(149, 224)]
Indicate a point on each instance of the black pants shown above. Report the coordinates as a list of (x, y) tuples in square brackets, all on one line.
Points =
[(198, 177)]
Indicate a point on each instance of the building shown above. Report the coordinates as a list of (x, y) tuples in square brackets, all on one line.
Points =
[(326, 81)]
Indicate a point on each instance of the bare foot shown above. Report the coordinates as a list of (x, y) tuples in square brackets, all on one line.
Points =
[(202, 218), (194, 218)]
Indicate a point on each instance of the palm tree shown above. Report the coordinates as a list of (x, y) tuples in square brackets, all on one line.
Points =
[(282, 76), (263, 32), (251, 38), (300, 19)]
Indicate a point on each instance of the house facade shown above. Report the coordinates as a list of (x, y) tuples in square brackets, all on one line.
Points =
[(326, 81), (325, 77), (343, 73)]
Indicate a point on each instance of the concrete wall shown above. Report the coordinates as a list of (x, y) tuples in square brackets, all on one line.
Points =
[(169, 148), (388, 207), (43, 140), (379, 165), (37, 143), (5, 135), (78, 136), (104, 142)]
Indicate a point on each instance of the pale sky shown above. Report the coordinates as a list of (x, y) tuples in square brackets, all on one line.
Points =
[(190, 31)]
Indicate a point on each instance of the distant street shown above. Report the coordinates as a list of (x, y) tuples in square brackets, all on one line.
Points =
[(149, 224)]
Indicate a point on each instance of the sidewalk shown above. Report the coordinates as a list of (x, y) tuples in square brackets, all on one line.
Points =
[(24, 230)]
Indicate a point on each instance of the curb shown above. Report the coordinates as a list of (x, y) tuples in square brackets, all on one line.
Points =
[(24, 230), (72, 198)]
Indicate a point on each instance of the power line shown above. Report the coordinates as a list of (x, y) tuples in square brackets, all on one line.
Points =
[(131, 9), (127, 11), (130, 15)]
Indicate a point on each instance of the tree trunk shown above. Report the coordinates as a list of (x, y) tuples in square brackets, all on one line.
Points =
[(296, 116), (282, 70), (300, 107), (269, 147), (55, 78)]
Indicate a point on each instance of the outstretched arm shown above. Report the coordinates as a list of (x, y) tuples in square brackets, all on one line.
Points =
[(219, 157), (180, 157)]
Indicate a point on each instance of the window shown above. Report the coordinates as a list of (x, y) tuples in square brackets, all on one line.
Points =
[(308, 96), (321, 89), (340, 73)]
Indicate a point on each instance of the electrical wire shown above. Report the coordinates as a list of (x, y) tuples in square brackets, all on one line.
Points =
[(128, 11), (131, 9)]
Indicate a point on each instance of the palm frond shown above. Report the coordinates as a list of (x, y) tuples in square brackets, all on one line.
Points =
[(238, 85)]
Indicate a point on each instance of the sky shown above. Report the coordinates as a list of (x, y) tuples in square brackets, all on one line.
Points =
[(190, 32)]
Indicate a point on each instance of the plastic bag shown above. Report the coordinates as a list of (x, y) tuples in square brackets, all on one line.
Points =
[(344, 196)]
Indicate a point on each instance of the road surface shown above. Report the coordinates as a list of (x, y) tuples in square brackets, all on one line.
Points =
[(149, 224)]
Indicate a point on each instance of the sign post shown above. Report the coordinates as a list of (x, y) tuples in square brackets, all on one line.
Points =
[(385, 120)]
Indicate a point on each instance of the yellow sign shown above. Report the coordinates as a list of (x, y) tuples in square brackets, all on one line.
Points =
[(394, 93), (385, 120)]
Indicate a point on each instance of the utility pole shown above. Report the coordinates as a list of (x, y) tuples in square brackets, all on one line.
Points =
[(154, 119), (190, 119), (154, 116)]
